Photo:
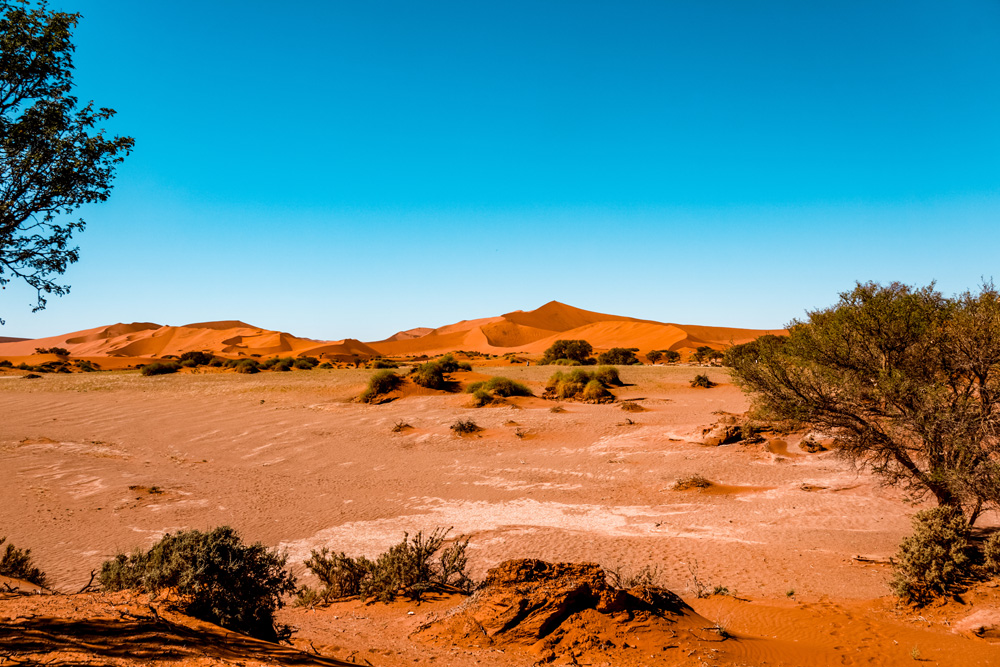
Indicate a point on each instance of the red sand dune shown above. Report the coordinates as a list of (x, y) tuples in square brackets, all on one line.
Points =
[(528, 332)]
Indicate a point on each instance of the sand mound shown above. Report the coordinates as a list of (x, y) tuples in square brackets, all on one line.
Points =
[(558, 609)]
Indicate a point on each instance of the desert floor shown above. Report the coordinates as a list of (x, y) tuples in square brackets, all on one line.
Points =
[(93, 464)]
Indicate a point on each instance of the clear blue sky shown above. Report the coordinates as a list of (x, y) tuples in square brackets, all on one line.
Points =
[(351, 169)]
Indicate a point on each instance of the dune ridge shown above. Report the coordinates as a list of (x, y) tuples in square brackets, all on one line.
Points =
[(523, 332)]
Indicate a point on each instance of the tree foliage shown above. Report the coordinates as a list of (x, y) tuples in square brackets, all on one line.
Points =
[(906, 379), (619, 356), (574, 350), (52, 160)]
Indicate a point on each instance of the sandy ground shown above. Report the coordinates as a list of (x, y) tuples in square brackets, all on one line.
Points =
[(93, 464)]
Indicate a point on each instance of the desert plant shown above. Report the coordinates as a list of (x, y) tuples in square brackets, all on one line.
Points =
[(811, 446), (620, 577), (574, 350), (991, 554), (632, 406), (5, 363), (326, 365), (619, 356), (465, 426), (160, 368), (488, 391), (379, 363), (407, 568), (380, 384), (400, 426), (578, 384), (595, 392), (199, 358), (695, 481), (608, 375), (557, 409), (247, 366), (935, 559), (58, 351), (16, 563), (654, 356), (218, 577), (305, 364), (702, 380), (430, 375)]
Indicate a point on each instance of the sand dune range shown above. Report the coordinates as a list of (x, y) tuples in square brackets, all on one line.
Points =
[(525, 332)]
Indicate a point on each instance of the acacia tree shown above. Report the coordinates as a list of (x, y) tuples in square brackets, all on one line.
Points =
[(906, 379), (52, 161)]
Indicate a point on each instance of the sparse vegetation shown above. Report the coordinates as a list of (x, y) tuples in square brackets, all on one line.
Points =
[(619, 356), (248, 366), (620, 577), (608, 376), (16, 563), (557, 409), (219, 578), (703, 381), (571, 350), (632, 406), (380, 384), (400, 426), (811, 446), (160, 368), (465, 427), (936, 559), (58, 351), (407, 569), (197, 358), (379, 363)]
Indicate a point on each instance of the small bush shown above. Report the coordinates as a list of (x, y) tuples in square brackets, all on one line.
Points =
[(382, 363), (608, 375), (189, 363), (59, 351), (432, 373), (692, 482), (277, 364), (465, 426), (160, 368), (488, 391), (557, 409), (219, 578), (619, 356), (5, 363), (595, 392), (935, 559), (701, 380), (407, 569), (578, 384), (991, 554), (380, 384), (247, 366), (16, 563), (31, 376), (632, 406), (303, 364), (86, 366), (400, 426), (199, 358), (326, 365), (647, 576)]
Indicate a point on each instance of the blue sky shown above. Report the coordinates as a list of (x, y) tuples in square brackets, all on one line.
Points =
[(354, 168)]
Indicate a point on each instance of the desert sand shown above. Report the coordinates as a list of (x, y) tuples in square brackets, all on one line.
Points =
[(97, 463), (797, 543)]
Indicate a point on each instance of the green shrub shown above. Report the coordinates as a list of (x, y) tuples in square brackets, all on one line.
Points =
[(303, 365), (935, 559), (702, 381), (380, 384), (406, 569), (219, 578), (565, 362), (382, 363), (619, 356), (488, 391), (248, 366), (431, 375), (575, 350), (189, 363), (199, 358), (85, 366), (277, 364), (16, 563), (160, 368), (579, 384), (608, 375)]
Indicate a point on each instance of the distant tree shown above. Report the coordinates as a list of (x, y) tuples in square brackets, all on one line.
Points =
[(574, 350), (654, 356), (671, 356), (907, 380), (51, 159), (619, 356), (702, 354)]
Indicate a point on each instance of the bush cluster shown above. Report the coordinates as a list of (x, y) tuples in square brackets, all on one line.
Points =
[(160, 368), (59, 351), (936, 559), (666, 356), (582, 385), (380, 363), (703, 381), (433, 374), (619, 356), (465, 427), (16, 563), (380, 384), (571, 350), (219, 578), (497, 387), (406, 569)]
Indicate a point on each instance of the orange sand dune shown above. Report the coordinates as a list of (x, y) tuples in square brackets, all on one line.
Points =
[(530, 332)]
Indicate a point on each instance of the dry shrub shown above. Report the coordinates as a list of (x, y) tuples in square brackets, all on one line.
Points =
[(465, 426), (16, 563), (935, 560), (695, 481), (632, 406), (702, 380), (379, 385), (406, 569), (400, 426), (811, 446)]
